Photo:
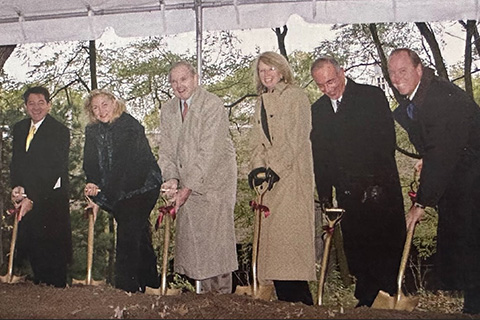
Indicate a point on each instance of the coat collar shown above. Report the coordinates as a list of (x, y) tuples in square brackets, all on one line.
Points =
[(425, 81)]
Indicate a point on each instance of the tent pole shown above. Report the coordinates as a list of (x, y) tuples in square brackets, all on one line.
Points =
[(199, 37)]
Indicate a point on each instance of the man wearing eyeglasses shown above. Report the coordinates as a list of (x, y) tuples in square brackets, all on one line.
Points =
[(353, 144)]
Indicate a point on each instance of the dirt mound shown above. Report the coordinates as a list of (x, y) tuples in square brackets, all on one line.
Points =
[(26, 300)]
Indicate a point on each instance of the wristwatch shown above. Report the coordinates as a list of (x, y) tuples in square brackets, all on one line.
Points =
[(418, 205)]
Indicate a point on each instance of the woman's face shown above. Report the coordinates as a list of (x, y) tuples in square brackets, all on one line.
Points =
[(103, 108), (269, 76)]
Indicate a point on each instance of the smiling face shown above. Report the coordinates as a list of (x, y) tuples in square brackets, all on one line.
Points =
[(103, 108), (37, 106), (330, 80), (404, 75), (183, 82), (269, 75)]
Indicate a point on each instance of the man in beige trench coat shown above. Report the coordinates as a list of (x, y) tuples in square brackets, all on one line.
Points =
[(197, 159)]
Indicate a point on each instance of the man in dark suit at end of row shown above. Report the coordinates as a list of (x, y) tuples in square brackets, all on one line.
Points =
[(39, 180)]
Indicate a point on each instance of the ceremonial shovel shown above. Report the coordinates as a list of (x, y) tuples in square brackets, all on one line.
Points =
[(400, 301), (333, 216), (263, 292), (91, 222), (10, 277), (168, 214)]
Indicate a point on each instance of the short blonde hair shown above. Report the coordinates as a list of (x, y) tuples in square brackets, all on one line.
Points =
[(97, 92), (275, 60)]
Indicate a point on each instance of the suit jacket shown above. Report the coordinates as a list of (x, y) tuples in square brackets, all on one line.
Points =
[(199, 152), (353, 149), (43, 172), (446, 133)]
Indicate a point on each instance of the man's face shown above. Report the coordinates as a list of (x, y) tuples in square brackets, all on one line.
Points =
[(404, 75), (37, 107), (183, 82), (329, 80)]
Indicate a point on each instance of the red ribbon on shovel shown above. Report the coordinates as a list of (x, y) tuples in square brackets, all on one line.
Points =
[(260, 207), (163, 211)]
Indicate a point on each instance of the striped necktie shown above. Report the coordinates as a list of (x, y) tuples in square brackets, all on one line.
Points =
[(31, 133)]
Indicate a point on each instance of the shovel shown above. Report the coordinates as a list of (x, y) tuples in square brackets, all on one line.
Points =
[(399, 301), (333, 216), (263, 292), (10, 277), (168, 214), (89, 280)]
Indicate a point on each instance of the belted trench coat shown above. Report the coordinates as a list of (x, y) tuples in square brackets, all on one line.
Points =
[(286, 248)]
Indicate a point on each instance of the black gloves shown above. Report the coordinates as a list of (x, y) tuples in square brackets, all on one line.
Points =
[(259, 175), (272, 178)]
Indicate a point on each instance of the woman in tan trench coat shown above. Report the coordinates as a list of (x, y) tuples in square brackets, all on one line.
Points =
[(281, 148)]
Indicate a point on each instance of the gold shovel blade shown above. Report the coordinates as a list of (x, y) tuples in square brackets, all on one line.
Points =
[(158, 291), (397, 302), (12, 279), (264, 292)]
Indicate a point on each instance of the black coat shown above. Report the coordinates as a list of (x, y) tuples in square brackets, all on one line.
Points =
[(118, 159), (354, 152), (45, 232), (446, 132)]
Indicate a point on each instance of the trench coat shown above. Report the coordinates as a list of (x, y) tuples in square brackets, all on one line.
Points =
[(199, 153), (445, 130), (286, 248)]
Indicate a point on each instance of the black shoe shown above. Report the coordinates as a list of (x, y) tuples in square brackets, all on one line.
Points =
[(365, 302)]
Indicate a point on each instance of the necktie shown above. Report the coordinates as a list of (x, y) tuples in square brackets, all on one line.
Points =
[(185, 109), (339, 103), (31, 133), (411, 112)]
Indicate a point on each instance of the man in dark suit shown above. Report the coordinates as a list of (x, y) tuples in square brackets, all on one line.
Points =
[(443, 123), (39, 180), (353, 143)]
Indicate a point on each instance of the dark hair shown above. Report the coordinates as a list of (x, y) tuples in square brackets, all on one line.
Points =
[(414, 58), (37, 90)]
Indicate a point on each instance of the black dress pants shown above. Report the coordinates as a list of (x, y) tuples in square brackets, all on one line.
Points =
[(136, 261)]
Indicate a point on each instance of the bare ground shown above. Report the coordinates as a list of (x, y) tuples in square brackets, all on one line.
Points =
[(29, 301)]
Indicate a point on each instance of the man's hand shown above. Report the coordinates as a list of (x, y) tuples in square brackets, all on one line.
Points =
[(414, 215), (92, 206), (418, 166), (169, 189), (17, 195), (181, 197), (25, 206)]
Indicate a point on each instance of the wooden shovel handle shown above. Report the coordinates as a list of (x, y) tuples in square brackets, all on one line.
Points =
[(403, 262)]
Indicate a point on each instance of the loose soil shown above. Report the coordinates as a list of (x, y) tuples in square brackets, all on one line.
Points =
[(29, 301)]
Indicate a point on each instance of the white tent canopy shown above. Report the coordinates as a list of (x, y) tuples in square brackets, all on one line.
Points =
[(24, 21)]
